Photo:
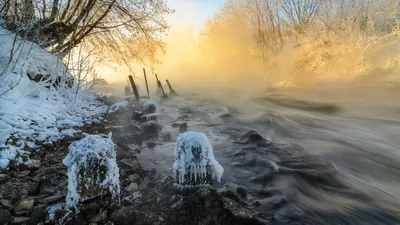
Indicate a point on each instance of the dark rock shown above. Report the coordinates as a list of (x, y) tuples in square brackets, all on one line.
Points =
[(20, 174), (151, 144), (20, 220), (124, 215), (151, 184), (256, 203), (130, 165), (183, 128), (53, 199), (242, 192), (24, 205), (231, 195), (175, 125), (167, 137), (35, 165), (135, 178), (38, 215), (52, 159), (61, 215), (151, 127), (34, 189), (5, 217), (6, 204), (133, 187), (99, 218), (253, 137), (3, 178)]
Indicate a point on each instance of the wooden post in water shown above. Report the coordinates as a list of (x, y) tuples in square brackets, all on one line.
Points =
[(171, 90), (135, 91), (161, 87), (147, 86)]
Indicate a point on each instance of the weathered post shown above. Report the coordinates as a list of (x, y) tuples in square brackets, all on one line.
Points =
[(160, 87), (171, 90), (147, 86), (194, 165), (135, 91)]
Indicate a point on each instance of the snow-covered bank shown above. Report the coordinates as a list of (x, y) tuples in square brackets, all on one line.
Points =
[(38, 112)]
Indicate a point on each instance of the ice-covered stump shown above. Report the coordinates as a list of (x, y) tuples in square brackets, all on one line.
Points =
[(194, 163), (92, 171)]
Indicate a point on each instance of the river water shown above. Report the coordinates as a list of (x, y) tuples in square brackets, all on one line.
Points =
[(330, 156)]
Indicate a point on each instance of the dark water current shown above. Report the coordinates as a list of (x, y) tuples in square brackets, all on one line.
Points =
[(322, 158)]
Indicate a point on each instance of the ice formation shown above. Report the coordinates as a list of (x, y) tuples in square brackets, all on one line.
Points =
[(194, 155), (84, 155)]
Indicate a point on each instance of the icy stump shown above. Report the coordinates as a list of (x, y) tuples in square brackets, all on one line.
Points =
[(194, 164), (92, 171)]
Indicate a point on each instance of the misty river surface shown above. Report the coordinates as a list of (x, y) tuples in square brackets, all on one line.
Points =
[(329, 157)]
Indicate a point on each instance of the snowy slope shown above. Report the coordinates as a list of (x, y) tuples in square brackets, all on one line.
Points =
[(30, 112)]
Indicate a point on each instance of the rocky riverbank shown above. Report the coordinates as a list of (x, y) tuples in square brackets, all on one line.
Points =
[(35, 193)]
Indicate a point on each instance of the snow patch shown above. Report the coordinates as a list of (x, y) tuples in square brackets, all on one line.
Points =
[(32, 112), (11, 153), (194, 154), (118, 105)]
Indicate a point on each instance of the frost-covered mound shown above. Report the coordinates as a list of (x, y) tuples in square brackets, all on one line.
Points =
[(92, 169), (38, 112), (194, 155)]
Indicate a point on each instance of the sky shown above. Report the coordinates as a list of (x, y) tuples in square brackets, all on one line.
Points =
[(192, 13)]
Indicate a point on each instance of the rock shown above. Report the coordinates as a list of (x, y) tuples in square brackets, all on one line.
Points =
[(24, 205), (135, 178), (20, 174), (35, 165), (99, 218), (6, 204), (231, 195), (3, 178), (61, 215), (177, 204), (151, 144), (167, 137), (52, 159), (38, 215), (183, 128), (124, 215), (151, 127), (5, 217), (242, 192), (133, 187), (34, 189), (20, 220), (53, 199), (175, 125), (256, 203), (48, 191), (132, 166)]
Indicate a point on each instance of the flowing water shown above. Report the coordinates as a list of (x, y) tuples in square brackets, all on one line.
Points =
[(330, 157)]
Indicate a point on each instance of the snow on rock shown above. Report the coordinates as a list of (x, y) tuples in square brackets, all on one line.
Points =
[(33, 112), (92, 169), (118, 105), (194, 154), (148, 106), (11, 153)]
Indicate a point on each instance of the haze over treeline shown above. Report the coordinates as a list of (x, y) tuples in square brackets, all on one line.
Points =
[(288, 43), (281, 42)]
